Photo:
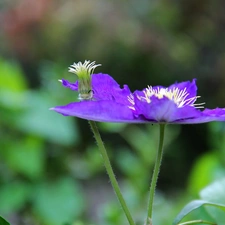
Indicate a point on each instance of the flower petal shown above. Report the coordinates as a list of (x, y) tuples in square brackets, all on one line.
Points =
[(104, 87), (67, 84), (164, 110), (190, 87), (208, 115), (102, 111)]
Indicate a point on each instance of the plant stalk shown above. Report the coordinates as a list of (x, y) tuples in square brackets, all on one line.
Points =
[(110, 172), (155, 173)]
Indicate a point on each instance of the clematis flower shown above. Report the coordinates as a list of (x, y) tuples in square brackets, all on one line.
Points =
[(173, 104), (104, 100)]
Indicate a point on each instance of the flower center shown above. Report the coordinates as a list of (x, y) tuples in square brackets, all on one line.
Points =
[(83, 72), (179, 97)]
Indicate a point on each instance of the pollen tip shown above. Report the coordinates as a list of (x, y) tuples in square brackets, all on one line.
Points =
[(60, 81)]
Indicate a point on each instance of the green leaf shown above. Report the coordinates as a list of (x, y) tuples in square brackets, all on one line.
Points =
[(12, 78), (210, 168), (14, 196), (3, 221), (215, 193), (194, 205), (58, 202), (197, 222), (37, 119), (27, 158), (12, 85)]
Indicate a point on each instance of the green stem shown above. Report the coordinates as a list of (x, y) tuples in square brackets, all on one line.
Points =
[(110, 172), (155, 173)]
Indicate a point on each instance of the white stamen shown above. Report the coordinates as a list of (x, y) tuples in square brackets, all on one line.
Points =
[(80, 67), (179, 97), (131, 100)]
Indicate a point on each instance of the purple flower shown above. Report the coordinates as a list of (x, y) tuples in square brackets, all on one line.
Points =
[(110, 103), (173, 104)]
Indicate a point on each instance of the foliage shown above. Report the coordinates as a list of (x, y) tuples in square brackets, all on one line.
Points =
[(50, 169)]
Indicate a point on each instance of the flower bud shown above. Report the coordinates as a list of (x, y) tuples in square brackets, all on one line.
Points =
[(84, 72)]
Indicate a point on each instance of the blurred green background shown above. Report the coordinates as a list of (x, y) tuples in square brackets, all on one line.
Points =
[(51, 172)]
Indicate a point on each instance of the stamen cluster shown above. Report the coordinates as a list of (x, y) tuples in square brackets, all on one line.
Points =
[(179, 97), (84, 71), (83, 68)]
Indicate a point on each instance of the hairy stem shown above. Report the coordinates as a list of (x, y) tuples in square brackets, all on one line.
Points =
[(155, 173), (110, 172)]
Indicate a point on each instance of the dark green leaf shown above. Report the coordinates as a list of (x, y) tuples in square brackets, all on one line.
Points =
[(3, 221)]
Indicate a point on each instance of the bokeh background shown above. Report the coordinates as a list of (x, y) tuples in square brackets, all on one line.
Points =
[(51, 172)]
